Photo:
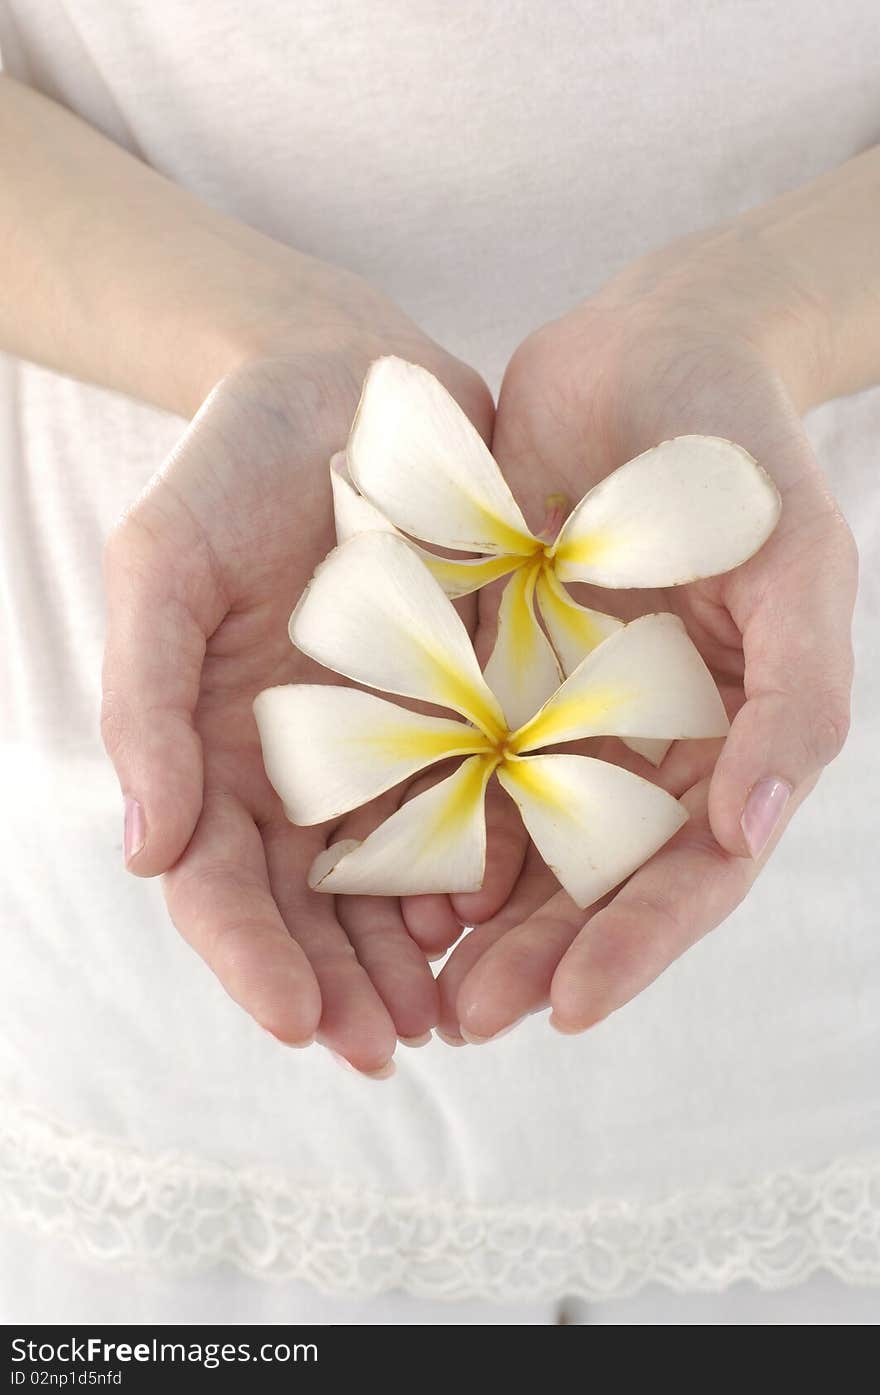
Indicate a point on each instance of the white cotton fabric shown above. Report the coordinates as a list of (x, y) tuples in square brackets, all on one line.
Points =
[(487, 165)]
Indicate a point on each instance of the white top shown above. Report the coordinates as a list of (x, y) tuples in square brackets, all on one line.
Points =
[(487, 164)]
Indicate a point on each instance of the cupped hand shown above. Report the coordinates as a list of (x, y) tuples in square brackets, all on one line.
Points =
[(580, 397), (201, 575)]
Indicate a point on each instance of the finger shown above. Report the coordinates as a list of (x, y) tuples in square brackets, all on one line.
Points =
[(394, 962), (684, 765), (536, 885), (681, 894), (512, 979), (431, 922), (506, 845), (495, 980), (795, 612), (162, 600), (219, 897), (355, 1024)]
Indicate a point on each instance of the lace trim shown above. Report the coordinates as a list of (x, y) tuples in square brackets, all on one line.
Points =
[(114, 1205)]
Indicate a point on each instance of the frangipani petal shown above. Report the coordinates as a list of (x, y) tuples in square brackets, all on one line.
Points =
[(523, 671), (592, 822), (574, 629), (652, 750), (414, 453), (460, 578), (647, 679), (330, 749), (691, 507), (353, 513), (435, 842), (373, 613)]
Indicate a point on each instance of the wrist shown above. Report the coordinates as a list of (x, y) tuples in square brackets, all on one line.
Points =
[(734, 284), (288, 306)]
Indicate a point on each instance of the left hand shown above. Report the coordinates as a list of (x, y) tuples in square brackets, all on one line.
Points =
[(637, 365)]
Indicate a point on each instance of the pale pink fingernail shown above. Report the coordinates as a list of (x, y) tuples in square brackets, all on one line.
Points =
[(342, 1062), (423, 1040), (481, 1041), (135, 828), (383, 1073), (567, 1031), (762, 813), (448, 1038)]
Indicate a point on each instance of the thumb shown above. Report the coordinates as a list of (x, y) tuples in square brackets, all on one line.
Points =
[(797, 606), (162, 600)]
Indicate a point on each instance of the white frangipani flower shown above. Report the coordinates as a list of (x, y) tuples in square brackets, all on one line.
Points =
[(374, 614), (691, 507)]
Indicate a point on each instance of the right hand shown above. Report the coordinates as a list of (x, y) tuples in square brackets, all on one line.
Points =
[(201, 575)]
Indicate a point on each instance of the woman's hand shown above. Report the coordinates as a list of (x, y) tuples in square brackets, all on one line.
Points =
[(666, 350), (201, 576), (117, 276)]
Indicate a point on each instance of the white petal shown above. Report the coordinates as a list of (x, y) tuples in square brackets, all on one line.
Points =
[(374, 613), (460, 578), (330, 749), (523, 671), (592, 822), (691, 507), (417, 456), (654, 751), (435, 842), (574, 629), (648, 679), (353, 513), (327, 860)]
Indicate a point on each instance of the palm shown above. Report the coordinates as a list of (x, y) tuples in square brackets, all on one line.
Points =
[(222, 546), (571, 410)]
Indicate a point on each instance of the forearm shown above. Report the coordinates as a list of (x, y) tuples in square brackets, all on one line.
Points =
[(115, 275), (799, 276)]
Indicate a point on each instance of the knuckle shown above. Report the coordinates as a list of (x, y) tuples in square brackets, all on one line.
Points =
[(845, 546), (827, 727), (114, 723), (528, 358), (667, 931), (611, 959), (130, 548)]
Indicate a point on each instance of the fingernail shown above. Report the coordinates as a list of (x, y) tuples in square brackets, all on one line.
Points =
[(481, 1041), (762, 813), (135, 828), (283, 1041), (342, 1062), (383, 1073), (449, 1038), (415, 1041), (563, 1030)]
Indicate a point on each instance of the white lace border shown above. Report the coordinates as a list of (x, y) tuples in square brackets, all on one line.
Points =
[(114, 1205)]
